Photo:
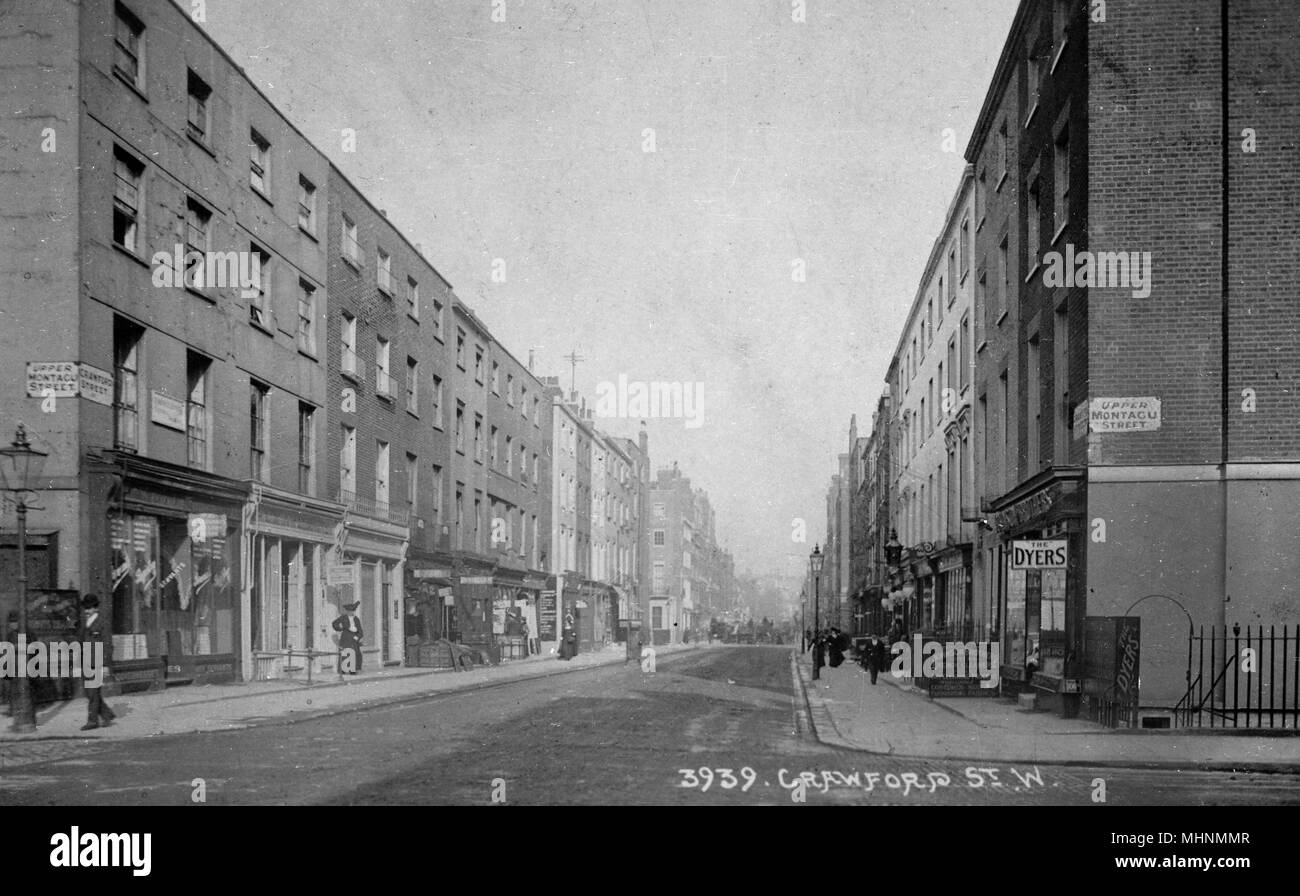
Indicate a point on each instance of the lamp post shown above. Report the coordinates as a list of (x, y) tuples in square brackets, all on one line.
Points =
[(815, 560), (20, 466), (803, 621)]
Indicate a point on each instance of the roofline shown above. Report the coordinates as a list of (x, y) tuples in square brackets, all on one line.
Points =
[(243, 73), (458, 305), (967, 178), (511, 355), (419, 253), (997, 87)]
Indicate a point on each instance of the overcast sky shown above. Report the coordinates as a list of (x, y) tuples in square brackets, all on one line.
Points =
[(776, 143)]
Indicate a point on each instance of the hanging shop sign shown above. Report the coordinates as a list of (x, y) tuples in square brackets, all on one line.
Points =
[(956, 561), (1038, 554), (340, 575)]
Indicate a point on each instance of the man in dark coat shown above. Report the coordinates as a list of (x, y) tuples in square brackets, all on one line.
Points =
[(350, 634), (92, 632), (873, 658)]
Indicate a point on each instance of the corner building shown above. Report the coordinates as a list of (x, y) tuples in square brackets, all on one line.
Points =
[(1124, 141)]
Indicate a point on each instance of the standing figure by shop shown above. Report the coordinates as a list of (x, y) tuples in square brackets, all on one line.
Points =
[(349, 628), (568, 638), (6, 683), (92, 632)]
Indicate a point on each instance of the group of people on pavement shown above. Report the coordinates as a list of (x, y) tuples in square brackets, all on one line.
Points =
[(828, 642), (833, 643)]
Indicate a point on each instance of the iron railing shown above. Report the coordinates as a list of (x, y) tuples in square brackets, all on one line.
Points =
[(379, 510), (1250, 678)]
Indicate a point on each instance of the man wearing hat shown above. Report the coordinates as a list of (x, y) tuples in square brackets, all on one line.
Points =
[(349, 628), (92, 632)]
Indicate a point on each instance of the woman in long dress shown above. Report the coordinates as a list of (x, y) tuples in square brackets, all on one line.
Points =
[(568, 638)]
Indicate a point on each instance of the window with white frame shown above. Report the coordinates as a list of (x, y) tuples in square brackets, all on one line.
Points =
[(199, 92), (384, 271), (128, 46), (381, 475), (383, 379), (306, 449), (258, 435), (198, 228), (351, 248), (412, 385), (259, 176), (306, 317), (196, 410), (259, 305), (348, 464), (127, 176), (1061, 172), (306, 205), (348, 345)]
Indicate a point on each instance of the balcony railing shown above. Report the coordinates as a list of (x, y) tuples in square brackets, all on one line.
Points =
[(350, 363), (379, 510)]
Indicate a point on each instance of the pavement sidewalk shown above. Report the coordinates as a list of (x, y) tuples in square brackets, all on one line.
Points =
[(893, 717), (224, 707)]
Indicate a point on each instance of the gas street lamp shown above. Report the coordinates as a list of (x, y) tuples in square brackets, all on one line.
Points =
[(803, 621), (20, 467), (815, 560)]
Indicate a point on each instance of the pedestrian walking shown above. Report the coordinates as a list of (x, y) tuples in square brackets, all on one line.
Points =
[(648, 658), (92, 632), (350, 635), (874, 657)]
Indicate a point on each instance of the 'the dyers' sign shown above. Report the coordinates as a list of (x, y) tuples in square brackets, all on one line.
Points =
[(1038, 554)]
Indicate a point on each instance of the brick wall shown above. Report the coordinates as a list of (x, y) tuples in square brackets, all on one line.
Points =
[(1154, 186)]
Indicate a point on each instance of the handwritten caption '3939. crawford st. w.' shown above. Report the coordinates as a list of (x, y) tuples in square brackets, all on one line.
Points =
[(798, 784)]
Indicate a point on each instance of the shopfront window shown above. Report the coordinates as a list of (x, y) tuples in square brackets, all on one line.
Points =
[(171, 586), (1013, 644), (1052, 646), (1033, 617)]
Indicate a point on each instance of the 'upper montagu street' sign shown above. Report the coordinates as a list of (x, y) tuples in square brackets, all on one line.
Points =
[(1124, 414)]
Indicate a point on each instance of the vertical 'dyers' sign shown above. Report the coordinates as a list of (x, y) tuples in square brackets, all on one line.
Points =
[(1128, 653)]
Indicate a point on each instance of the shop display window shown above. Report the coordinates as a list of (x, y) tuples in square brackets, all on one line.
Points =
[(171, 582)]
